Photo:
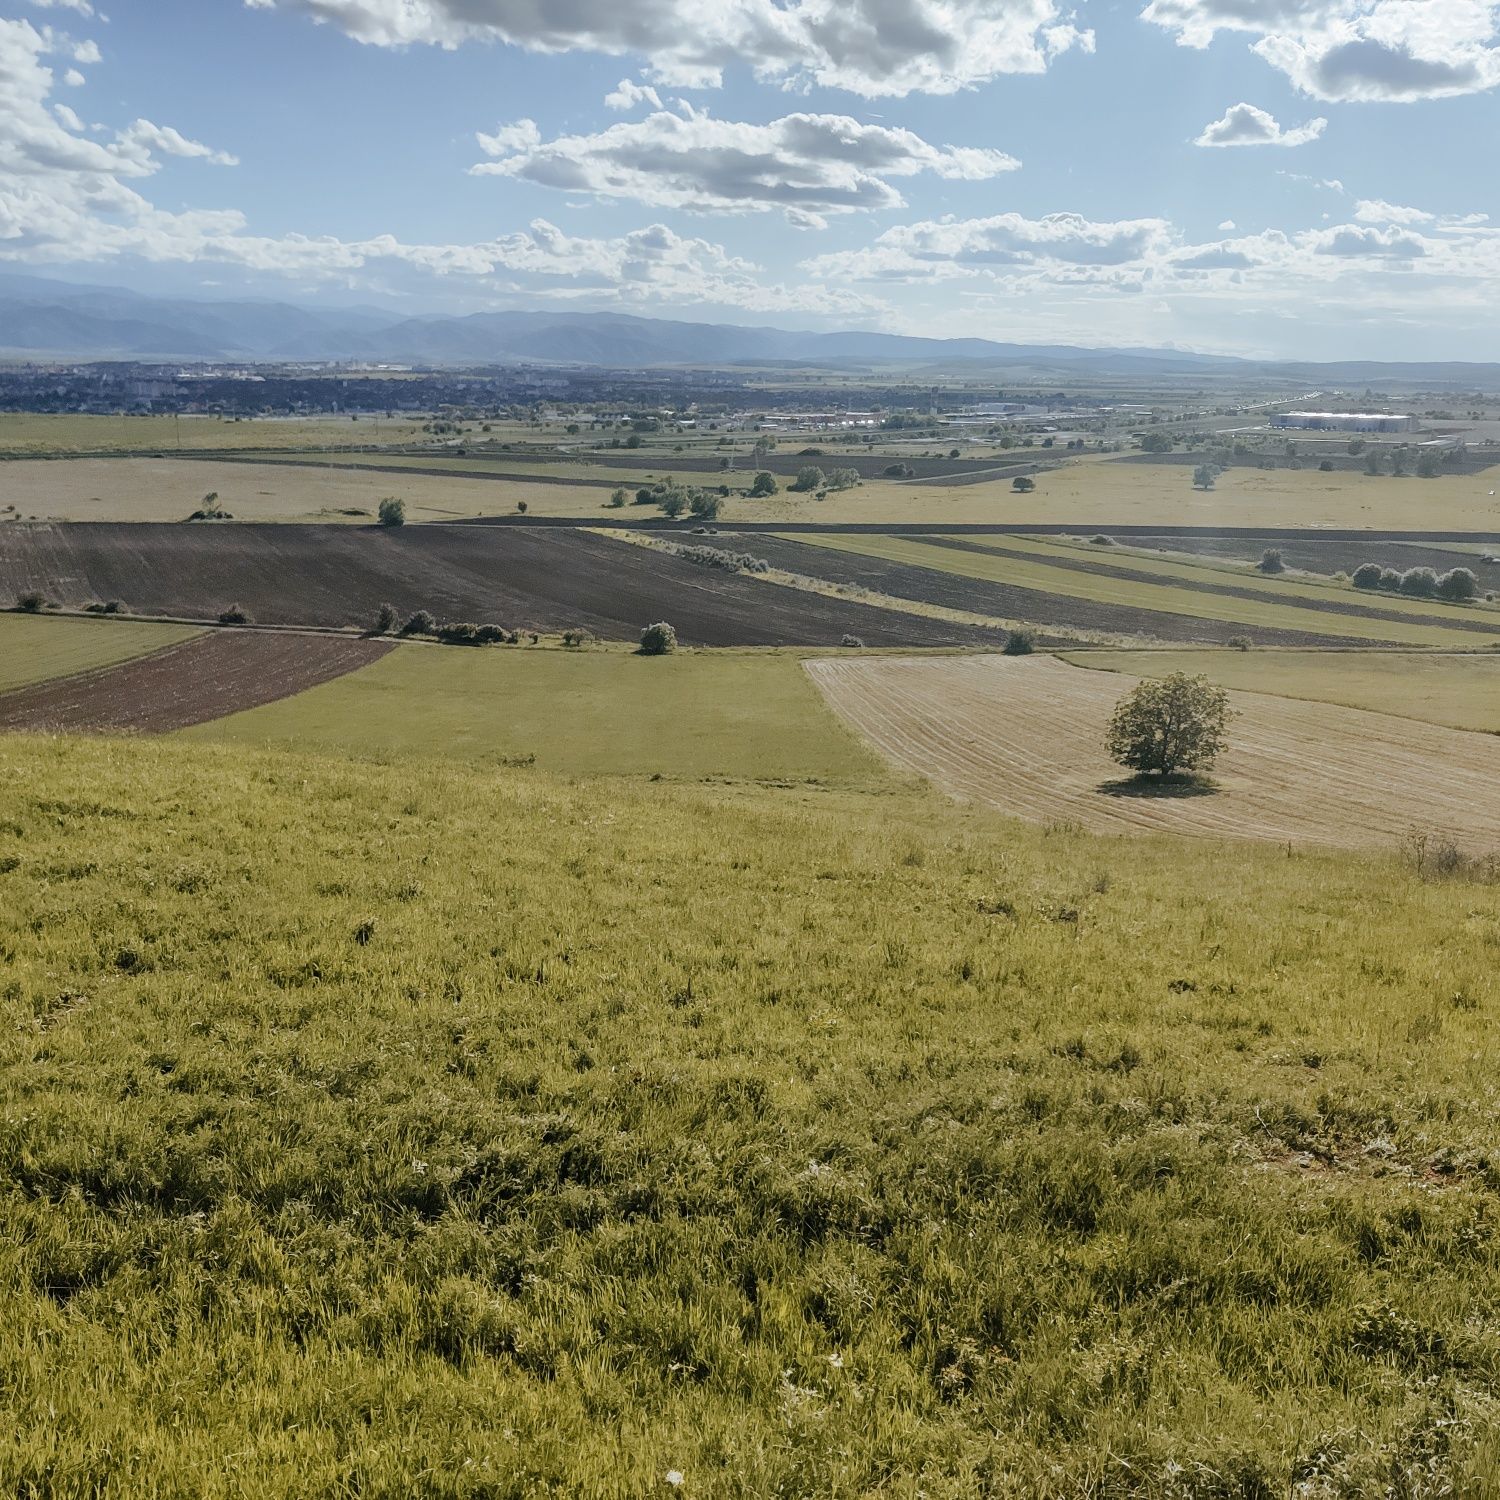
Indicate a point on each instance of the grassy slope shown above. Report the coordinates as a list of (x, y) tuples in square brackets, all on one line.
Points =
[(590, 712), (34, 648), (1168, 597), (802, 1142), (1461, 691)]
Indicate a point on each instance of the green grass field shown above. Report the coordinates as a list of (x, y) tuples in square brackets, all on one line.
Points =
[(729, 714), (1462, 691), (1171, 597), (437, 1129), (36, 647)]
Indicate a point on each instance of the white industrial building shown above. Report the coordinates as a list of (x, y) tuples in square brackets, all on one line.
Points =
[(1345, 421)]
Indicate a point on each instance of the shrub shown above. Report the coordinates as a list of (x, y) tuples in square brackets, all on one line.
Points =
[(704, 504), (520, 507), (1390, 580), (1020, 642), (1367, 576), (1270, 561), (1419, 583), (385, 620), (494, 635), (1326, 467), (458, 633), (898, 471), (1169, 725), (808, 478), (1100, 540), (31, 603), (672, 504), (1204, 476), (645, 497), (392, 511), (843, 479), (852, 640), (578, 636), (617, 497), (423, 622), (1238, 643), (718, 557), (234, 615), (1457, 586), (658, 639), (764, 483)]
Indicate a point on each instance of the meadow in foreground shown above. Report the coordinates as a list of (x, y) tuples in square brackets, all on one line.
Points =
[(432, 1129)]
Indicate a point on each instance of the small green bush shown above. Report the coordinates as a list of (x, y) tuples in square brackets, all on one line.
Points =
[(31, 602), (1367, 576), (392, 511), (422, 622), (1270, 561), (234, 615), (1020, 642), (1458, 586), (385, 620)]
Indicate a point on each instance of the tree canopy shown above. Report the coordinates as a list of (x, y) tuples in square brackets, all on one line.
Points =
[(1169, 725)]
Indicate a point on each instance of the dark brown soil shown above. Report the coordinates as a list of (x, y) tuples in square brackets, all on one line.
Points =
[(543, 579), (191, 682)]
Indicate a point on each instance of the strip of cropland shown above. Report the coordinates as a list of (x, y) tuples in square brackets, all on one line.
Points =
[(1160, 597), (218, 672), (741, 714), (1234, 583), (34, 648), (954, 589), (1027, 736), (1459, 689), (541, 579)]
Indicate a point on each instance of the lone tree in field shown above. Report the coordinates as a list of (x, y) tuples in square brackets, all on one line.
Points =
[(658, 639), (1204, 476), (809, 477), (392, 511), (764, 483), (1023, 484), (1169, 726)]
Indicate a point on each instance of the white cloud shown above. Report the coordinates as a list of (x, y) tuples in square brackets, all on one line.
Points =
[(1227, 224), (81, 6), (74, 79), (630, 93), (142, 135), (1245, 125), (869, 47), (804, 165), (1392, 50), (1358, 240)]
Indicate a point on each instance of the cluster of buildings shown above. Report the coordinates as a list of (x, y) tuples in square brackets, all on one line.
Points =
[(1344, 421)]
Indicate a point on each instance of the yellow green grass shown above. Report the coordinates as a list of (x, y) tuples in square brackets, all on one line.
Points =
[(584, 712), (443, 1130), (1462, 691), (34, 648), (1127, 593)]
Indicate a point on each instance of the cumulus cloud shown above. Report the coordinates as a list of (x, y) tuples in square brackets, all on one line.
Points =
[(869, 47), (1245, 125), (630, 93), (805, 165), (1358, 240), (81, 6), (1393, 50)]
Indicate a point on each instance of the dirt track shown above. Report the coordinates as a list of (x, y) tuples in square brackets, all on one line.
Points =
[(1026, 736), (189, 683), (545, 579)]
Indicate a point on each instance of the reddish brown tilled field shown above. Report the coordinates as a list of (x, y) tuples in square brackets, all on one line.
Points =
[(544, 579), (203, 678)]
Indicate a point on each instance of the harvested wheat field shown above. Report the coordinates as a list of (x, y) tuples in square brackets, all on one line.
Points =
[(196, 680), (1026, 737)]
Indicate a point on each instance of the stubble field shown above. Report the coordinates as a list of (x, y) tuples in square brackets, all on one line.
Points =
[(1026, 736)]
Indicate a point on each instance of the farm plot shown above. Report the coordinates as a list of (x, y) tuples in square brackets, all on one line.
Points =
[(1179, 597), (34, 648), (1315, 554), (197, 679), (1027, 736), (546, 580), (950, 587)]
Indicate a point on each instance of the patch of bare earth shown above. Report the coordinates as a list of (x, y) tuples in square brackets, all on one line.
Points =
[(1026, 736), (189, 683)]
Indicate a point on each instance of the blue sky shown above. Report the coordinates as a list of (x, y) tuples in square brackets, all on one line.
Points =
[(1301, 178)]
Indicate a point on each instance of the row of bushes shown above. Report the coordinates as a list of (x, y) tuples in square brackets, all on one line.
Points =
[(719, 557), (1457, 585)]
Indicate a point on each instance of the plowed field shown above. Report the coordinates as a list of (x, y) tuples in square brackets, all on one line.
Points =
[(1026, 736), (533, 579), (198, 679)]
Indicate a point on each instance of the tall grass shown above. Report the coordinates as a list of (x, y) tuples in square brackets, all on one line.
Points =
[(392, 1130)]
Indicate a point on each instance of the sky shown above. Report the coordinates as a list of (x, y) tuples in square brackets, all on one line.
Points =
[(1277, 178)]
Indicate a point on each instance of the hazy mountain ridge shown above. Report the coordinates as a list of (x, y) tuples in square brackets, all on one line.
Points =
[(53, 319)]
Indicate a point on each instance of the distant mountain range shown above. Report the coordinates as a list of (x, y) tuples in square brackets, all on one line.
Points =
[(42, 318)]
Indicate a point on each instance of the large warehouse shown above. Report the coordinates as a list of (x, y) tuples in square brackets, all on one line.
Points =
[(1346, 421)]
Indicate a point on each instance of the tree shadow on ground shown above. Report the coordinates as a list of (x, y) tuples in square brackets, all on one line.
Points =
[(1159, 786)]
